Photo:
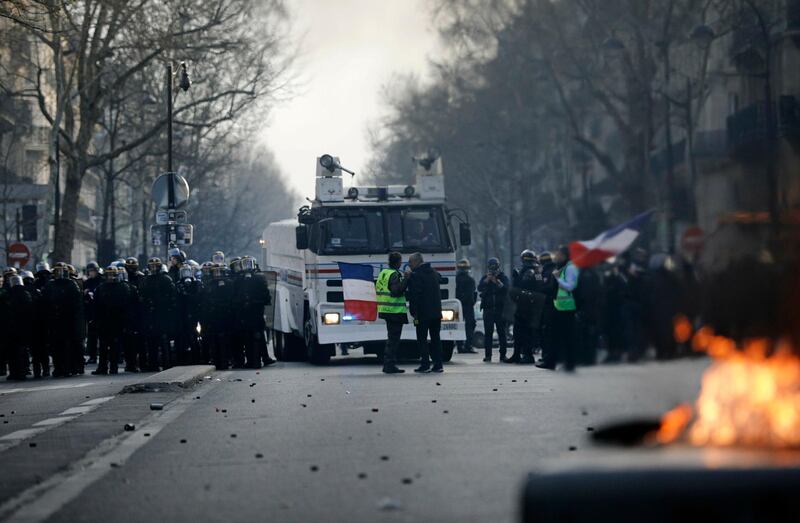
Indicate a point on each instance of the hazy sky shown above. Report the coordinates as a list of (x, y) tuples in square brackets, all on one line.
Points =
[(350, 49)]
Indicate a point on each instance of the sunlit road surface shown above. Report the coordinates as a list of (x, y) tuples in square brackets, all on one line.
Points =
[(339, 443)]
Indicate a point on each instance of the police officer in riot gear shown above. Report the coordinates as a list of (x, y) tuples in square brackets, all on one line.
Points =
[(159, 304), (42, 274), (236, 344), (190, 292), (93, 280), (466, 293), (493, 289), (216, 317), (63, 301), (526, 293), (251, 296), (113, 301), (18, 313), (176, 259)]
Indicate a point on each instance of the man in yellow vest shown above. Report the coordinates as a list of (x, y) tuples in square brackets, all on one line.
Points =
[(566, 277), (391, 289)]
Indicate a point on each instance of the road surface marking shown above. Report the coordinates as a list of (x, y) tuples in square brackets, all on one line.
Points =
[(53, 421), (20, 434), (13, 439), (40, 502), (98, 401), (49, 387)]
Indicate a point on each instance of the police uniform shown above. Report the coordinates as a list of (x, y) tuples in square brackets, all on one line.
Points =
[(113, 302), (525, 292), (251, 295), (159, 303)]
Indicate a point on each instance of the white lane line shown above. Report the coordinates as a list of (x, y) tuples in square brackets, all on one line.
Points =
[(15, 438), (40, 502), (98, 401), (77, 410), (49, 422), (20, 434), (48, 387)]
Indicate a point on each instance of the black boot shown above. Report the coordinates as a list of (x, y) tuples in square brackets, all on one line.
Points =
[(392, 369)]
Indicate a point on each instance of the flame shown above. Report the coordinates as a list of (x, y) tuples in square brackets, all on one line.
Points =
[(749, 396)]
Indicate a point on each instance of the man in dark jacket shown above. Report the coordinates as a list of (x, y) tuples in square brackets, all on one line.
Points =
[(190, 291), (251, 296), (93, 280), (467, 294), (63, 301), (216, 317), (425, 302), (19, 315), (113, 302), (159, 302), (391, 288), (526, 293), (493, 289)]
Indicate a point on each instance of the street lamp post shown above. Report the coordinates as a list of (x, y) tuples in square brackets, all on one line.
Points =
[(184, 83)]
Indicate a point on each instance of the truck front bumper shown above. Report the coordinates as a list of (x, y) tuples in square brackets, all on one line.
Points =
[(357, 332)]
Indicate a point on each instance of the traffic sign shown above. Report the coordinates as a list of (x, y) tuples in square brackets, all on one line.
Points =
[(18, 255), (165, 217), (173, 233), (160, 191)]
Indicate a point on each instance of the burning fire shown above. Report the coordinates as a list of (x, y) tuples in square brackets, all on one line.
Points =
[(749, 396)]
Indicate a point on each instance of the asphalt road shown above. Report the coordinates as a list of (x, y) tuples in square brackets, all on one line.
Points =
[(299, 443)]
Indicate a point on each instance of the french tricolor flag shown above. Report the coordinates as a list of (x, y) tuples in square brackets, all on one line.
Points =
[(609, 243), (358, 286)]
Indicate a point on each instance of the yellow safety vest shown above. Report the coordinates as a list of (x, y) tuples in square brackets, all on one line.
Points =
[(564, 301), (388, 304)]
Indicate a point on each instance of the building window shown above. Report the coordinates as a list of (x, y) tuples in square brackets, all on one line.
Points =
[(29, 223)]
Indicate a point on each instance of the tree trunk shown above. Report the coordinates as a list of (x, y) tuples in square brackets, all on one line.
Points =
[(67, 225)]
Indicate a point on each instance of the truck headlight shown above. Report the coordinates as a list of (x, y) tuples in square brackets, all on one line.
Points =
[(331, 318), (448, 315)]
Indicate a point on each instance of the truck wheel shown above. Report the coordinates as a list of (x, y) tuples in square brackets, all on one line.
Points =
[(447, 350), (317, 354), (277, 345), (293, 348)]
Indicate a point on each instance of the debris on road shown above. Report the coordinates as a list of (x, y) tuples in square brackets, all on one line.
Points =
[(129, 427), (156, 406)]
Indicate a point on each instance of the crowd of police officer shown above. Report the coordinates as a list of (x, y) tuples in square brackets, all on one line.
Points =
[(183, 313), (569, 315)]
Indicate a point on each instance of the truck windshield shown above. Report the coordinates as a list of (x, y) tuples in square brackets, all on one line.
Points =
[(374, 230)]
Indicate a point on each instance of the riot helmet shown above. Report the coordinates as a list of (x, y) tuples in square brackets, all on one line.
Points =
[(545, 257), (42, 266), (218, 258), (92, 266), (493, 264), (73, 272), (463, 265), (207, 268), (111, 273), (132, 264), (15, 280), (122, 274), (528, 258), (218, 272), (27, 277), (236, 265), (60, 271), (154, 264), (248, 264), (187, 272)]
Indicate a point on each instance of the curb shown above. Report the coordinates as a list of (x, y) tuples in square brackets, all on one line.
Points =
[(173, 379)]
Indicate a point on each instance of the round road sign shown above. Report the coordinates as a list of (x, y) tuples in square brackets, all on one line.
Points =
[(160, 191), (18, 255)]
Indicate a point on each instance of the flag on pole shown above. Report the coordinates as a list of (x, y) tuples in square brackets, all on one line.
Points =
[(609, 243), (358, 286)]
